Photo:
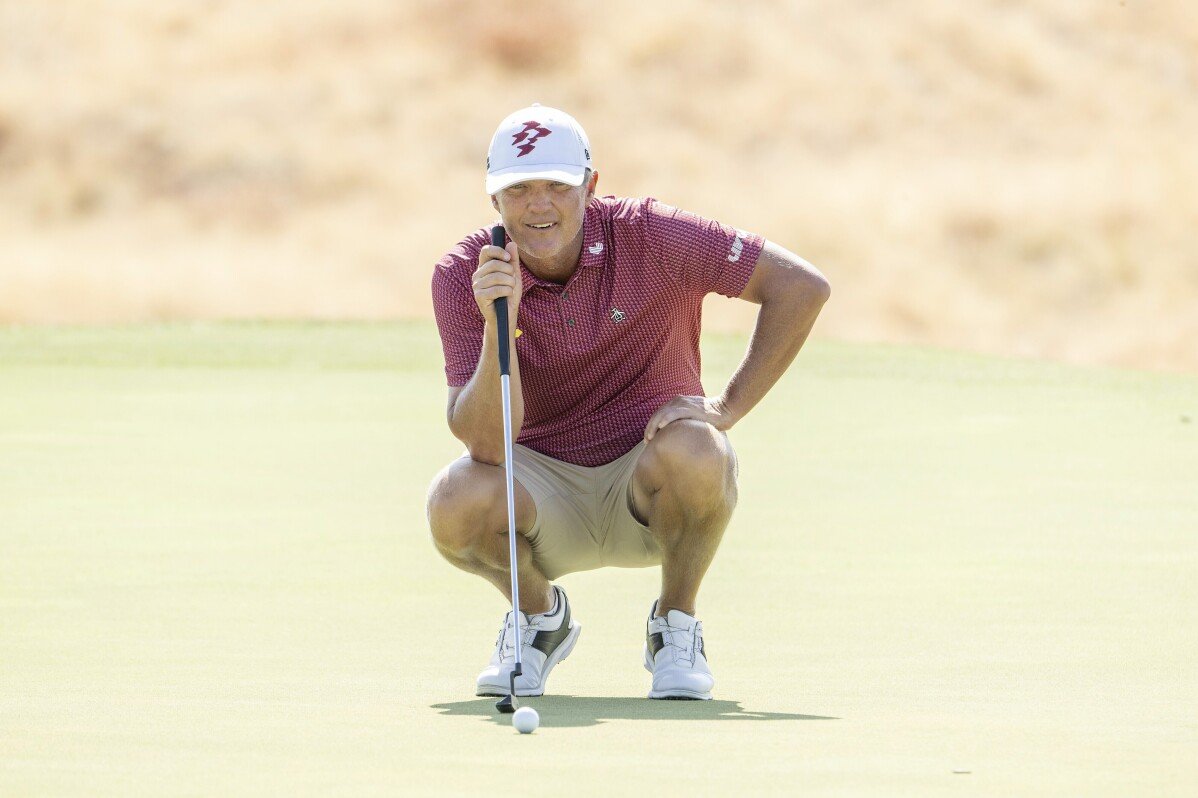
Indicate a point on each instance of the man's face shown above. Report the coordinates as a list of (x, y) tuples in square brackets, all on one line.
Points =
[(544, 217)]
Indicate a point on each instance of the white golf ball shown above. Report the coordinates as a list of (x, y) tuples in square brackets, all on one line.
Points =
[(526, 720)]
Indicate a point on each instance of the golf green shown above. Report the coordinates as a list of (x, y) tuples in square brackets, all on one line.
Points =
[(948, 575)]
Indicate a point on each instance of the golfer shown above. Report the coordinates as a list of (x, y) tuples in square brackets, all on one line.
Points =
[(622, 459)]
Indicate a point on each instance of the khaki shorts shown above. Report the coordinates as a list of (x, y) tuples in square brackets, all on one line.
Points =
[(584, 515)]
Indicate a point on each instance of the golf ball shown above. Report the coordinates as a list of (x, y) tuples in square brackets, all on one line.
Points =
[(526, 720)]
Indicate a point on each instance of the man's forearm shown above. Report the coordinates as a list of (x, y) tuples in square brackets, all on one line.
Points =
[(783, 324), (476, 417)]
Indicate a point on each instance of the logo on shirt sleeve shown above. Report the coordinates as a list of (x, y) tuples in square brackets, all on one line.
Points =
[(617, 316), (738, 246)]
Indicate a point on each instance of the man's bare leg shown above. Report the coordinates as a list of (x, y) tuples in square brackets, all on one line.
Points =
[(684, 489), (467, 515)]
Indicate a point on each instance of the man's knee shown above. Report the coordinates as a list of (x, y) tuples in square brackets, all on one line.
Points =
[(692, 457), (465, 500)]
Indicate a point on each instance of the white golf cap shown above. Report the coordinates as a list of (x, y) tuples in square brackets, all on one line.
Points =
[(537, 143)]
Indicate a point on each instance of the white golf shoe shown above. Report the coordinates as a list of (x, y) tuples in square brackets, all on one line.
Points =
[(674, 655), (545, 640)]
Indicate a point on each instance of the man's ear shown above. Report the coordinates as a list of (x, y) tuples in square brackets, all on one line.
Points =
[(494, 202), (591, 186)]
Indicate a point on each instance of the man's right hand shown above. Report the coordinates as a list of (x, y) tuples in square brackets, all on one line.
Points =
[(498, 274)]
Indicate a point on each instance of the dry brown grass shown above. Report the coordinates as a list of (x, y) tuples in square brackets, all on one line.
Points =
[(1009, 177)]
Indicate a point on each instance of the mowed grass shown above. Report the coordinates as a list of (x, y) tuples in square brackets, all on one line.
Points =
[(216, 579)]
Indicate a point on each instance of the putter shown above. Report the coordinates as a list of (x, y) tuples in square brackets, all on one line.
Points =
[(508, 703)]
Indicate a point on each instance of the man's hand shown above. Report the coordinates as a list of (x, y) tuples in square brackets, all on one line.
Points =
[(498, 274), (700, 408)]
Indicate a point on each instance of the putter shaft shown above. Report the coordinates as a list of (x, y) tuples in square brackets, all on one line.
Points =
[(509, 702)]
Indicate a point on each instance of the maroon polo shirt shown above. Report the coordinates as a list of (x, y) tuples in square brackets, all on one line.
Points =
[(600, 354)]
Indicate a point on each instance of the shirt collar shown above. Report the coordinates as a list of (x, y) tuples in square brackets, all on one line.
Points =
[(594, 244)]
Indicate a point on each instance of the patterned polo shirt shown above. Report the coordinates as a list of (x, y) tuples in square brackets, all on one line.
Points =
[(600, 354)]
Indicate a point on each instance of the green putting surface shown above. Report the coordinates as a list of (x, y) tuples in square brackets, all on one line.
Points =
[(216, 579)]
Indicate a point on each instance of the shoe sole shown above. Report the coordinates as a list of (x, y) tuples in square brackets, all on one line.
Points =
[(679, 695), (559, 655)]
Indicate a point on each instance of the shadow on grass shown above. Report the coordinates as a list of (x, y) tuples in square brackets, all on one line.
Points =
[(569, 710)]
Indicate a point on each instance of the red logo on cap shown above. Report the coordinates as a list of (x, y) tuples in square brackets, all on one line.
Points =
[(527, 138)]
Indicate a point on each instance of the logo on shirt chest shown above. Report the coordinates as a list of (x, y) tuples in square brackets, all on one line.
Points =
[(617, 316)]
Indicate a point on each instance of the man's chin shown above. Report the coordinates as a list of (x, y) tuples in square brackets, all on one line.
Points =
[(540, 250)]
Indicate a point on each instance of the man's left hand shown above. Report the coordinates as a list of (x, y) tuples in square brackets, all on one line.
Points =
[(701, 408)]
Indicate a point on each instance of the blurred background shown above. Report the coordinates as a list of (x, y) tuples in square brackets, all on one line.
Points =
[(1010, 177)]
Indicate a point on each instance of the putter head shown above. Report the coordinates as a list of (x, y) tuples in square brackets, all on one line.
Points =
[(509, 703)]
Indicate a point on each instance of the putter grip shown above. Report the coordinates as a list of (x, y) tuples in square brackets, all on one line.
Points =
[(499, 238)]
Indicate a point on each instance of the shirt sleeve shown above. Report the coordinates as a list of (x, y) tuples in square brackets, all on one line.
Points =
[(704, 255), (458, 319)]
